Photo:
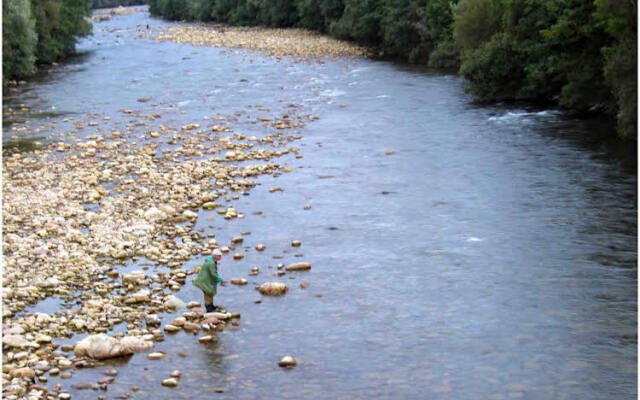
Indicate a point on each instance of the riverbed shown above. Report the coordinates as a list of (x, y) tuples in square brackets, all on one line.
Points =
[(459, 251)]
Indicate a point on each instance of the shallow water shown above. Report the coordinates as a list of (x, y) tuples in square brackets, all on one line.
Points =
[(492, 255)]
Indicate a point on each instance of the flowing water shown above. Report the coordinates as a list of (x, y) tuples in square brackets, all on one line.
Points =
[(492, 255)]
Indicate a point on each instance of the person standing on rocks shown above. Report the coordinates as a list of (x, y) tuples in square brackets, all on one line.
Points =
[(208, 279)]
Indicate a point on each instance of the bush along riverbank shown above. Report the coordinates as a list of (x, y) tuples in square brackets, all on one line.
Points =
[(580, 55), (40, 32)]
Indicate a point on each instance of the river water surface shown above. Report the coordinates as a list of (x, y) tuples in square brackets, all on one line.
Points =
[(492, 255)]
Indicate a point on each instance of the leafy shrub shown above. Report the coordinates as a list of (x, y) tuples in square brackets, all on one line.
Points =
[(19, 39)]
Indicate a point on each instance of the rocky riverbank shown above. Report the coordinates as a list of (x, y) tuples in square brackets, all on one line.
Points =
[(297, 43), (75, 211)]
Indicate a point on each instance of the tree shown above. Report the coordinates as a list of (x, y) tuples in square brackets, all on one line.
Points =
[(19, 39)]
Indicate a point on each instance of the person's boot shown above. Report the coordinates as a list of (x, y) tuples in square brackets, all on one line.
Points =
[(210, 307)]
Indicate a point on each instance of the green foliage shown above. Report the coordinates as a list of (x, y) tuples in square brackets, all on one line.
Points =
[(115, 3), (495, 68), (439, 20), (476, 21), (18, 39), (40, 31), (57, 25), (618, 18), (446, 55), (318, 14), (360, 21), (404, 30)]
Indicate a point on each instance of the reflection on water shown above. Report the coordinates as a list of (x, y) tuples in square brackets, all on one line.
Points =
[(459, 251)]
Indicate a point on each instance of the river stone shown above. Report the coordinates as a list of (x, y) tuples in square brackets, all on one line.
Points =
[(24, 372), (287, 362), (17, 341), (205, 339), (218, 315), (136, 344), (66, 347), (101, 347), (174, 303), (141, 296), (191, 327), (261, 247), (273, 288), (64, 396), (238, 281), (178, 321), (170, 382), (192, 304), (237, 239), (299, 266), (66, 375), (156, 355), (296, 243), (171, 328), (238, 256), (81, 386), (190, 214), (176, 374), (106, 380), (135, 277), (198, 312), (152, 320)]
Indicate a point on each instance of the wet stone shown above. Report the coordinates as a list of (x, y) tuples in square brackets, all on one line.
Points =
[(170, 382)]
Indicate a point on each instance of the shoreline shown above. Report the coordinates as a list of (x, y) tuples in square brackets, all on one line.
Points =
[(75, 213)]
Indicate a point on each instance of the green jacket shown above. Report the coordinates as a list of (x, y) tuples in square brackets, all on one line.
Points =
[(208, 279)]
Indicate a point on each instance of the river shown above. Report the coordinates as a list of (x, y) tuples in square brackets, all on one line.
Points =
[(459, 251)]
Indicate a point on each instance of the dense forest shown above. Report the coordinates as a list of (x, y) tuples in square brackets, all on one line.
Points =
[(577, 54)]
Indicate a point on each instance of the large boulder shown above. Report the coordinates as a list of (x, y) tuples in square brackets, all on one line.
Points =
[(273, 288), (101, 347)]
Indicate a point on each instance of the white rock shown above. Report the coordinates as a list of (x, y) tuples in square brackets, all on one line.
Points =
[(154, 214), (101, 347), (170, 382), (174, 303), (287, 361), (158, 355), (135, 277), (273, 288), (218, 315), (141, 296), (136, 344)]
